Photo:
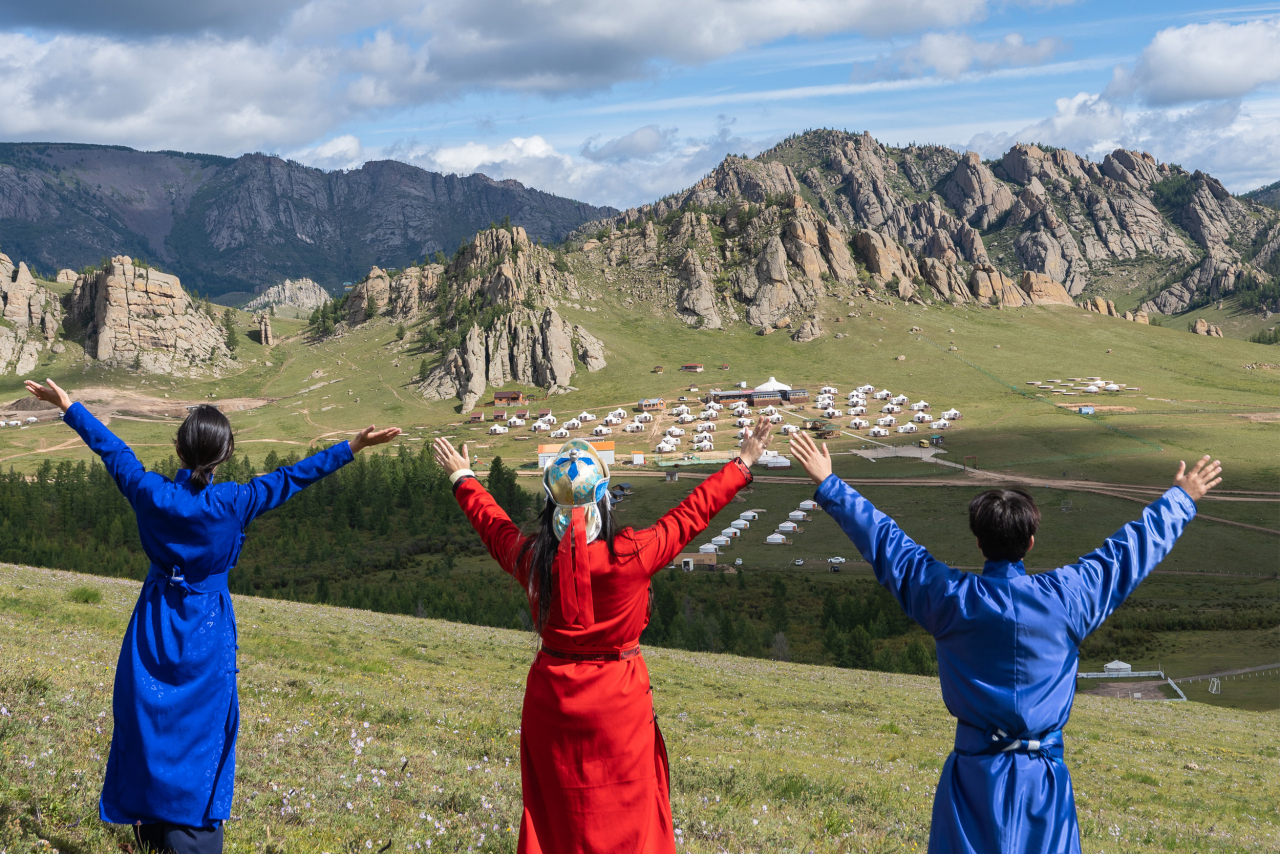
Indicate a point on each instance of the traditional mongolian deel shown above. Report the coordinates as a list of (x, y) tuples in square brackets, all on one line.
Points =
[(176, 712), (593, 765), (1007, 653)]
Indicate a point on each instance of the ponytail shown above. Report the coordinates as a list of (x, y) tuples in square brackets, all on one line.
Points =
[(205, 442)]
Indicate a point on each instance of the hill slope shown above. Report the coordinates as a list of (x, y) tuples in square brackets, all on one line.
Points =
[(231, 225), (360, 731)]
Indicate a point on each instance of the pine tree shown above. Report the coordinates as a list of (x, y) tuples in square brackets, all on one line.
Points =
[(400, 332), (229, 324)]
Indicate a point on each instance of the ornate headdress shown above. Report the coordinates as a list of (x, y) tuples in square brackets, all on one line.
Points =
[(576, 478)]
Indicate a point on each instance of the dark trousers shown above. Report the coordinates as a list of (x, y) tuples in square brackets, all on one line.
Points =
[(162, 838)]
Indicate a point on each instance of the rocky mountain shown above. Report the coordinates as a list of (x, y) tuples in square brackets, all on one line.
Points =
[(302, 294), (829, 213), (132, 316), (228, 225), (33, 315), (1268, 195)]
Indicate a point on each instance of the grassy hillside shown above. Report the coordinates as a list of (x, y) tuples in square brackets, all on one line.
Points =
[(361, 731)]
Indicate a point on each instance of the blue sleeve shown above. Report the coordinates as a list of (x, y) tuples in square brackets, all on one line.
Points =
[(271, 490), (119, 459), (921, 584), (1093, 588)]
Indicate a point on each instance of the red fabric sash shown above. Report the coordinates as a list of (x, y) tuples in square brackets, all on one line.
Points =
[(575, 574)]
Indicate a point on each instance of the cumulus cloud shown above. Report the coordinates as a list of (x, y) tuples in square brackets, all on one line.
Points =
[(950, 55), (642, 142), (341, 152), (1199, 62)]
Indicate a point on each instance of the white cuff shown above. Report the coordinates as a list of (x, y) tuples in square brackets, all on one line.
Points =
[(459, 475)]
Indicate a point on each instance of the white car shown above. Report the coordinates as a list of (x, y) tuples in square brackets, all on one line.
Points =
[(798, 561), (737, 562), (836, 559)]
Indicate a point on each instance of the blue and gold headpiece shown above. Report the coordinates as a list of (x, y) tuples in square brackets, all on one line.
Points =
[(577, 477)]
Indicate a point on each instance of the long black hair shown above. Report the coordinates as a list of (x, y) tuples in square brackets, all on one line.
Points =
[(541, 549), (204, 443)]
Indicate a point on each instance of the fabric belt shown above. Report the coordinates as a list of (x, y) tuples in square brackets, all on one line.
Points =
[(976, 741), (175, 578), (616, 655)]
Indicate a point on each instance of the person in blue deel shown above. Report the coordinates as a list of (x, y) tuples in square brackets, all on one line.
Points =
[(172, 763), (1008, 645)]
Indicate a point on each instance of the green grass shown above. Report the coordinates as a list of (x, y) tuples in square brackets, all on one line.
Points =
[(844, 761)]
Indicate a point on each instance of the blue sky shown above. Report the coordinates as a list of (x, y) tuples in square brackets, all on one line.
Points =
[(620, 104)]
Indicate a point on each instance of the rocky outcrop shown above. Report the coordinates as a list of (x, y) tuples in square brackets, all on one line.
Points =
[(524, 347), (975, 193), (265, 336), (696, 304), (810, 330), (502, 266), (989, 286), (884, 258), (737, 177), (369, 297), (139, 316), (1042, 290), (33, 314), (1203, 327), (772, 292), (944, 280), (411, 290), (66, 277), (303, 294)]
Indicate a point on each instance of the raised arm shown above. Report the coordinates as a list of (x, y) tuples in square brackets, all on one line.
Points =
[(499, 534), (916, 579), (1103, 579), (662, 541), (119, 459)]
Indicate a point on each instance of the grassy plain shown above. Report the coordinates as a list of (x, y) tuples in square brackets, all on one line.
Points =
[(363, 730)]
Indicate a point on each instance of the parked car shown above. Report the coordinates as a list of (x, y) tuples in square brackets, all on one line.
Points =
[(799, 561), (737, 562), (836, 559)]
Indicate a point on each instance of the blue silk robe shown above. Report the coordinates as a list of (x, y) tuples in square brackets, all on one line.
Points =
[(1007, 647), (175, 706)]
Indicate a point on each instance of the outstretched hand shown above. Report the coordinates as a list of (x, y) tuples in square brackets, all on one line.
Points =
[(1202, 477), (51, 393), (817, 463), (372, 436), (449, 457), (755, 442)]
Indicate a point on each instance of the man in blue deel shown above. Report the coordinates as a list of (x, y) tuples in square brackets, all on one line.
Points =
[(1007, 645), (171, 768)]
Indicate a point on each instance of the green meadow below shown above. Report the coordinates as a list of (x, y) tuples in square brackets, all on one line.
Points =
[(363, 731)]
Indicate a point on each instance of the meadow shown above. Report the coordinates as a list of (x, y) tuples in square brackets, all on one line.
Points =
[(369, 732)]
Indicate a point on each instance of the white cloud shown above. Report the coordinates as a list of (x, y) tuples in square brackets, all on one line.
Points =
[(647, 141), (1201, 62), (341, 152), (950, 55)]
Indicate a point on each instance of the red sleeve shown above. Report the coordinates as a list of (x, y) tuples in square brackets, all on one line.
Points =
[(662, 542), (500, 535)]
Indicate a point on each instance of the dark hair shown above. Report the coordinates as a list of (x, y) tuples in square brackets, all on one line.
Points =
[(204, 443), (542, 548), (1004, 521)]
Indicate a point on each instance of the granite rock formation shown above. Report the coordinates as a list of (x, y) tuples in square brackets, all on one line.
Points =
[(33, 314), (265, 335), (302, 294), (138, 316)]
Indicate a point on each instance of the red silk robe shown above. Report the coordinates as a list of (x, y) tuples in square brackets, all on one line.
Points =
[(593, 766)]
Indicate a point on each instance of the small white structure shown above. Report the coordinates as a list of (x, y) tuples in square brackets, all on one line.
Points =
[(920, 406), (749, 516), (878, 432), (515, 422), (618, 413), (769, 410), (831, 413), (941, 424), (858, 410), (922, 418), (601, 430), (708, 549), (788, 527), (664, 448), (540, 427), (743, 422), (1111, 387), (1091, 389), (824, 398), (740, 524), (797, 516), (887, 421), (549, 419), (720, 541), (828, 389), (908, 428), (773, 385), (559, 434), (675, 431), (742, 434), (642, 418), (613, 421), (899, 399), (707, 415), (585, 417), (684, 419), (952, 415), (633, 428), (572, 424), (859, 424), (741, 410), (866, 389), (808, 504), (1117, 666), (788, 429), (31, 419), (777, 461), (731, 533), (680, 410), (775, 540), (775, 419), (497, 430), (705, 428), (715, 406), (705, 445), (637, 458), (883, 394)]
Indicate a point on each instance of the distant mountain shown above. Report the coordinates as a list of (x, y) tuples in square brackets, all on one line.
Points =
[(227, 224), (1268, 195)]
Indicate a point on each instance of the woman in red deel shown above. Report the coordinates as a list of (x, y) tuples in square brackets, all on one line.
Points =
[(593, 766)]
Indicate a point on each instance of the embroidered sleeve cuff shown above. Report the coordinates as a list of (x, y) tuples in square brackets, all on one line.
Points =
[(744, 469), (459, 475)]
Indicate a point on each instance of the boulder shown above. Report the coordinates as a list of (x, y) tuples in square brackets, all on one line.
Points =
[(1042, 290), (590, 349), (264, 330), (989, 286), (808, 331), (66, 277), (1200, 327), (302, 294)]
